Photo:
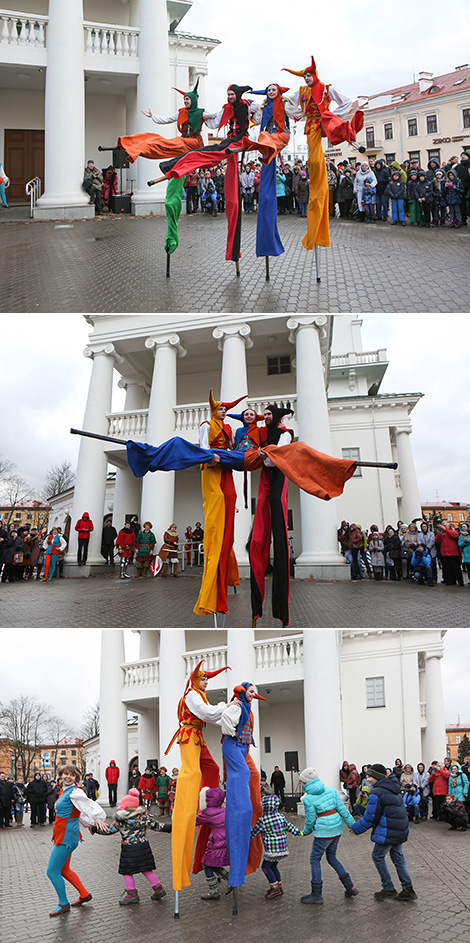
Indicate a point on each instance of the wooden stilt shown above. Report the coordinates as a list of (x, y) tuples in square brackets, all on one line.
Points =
[(267, 268), (317, 264), (235, 902), (167, 264), (177, 902), (237, 266), (151, 183), (253, 623)]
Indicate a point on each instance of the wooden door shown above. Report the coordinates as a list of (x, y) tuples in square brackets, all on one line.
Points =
[(24, 159)]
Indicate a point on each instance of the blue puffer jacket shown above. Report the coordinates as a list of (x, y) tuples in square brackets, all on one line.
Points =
[(458, 783), (411, 799), (385, 814), (319, 798)]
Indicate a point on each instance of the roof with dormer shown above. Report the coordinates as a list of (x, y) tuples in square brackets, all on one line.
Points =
[(450, 83)]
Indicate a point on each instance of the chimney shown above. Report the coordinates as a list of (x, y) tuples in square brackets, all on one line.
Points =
[(425, 81), (362, 101)]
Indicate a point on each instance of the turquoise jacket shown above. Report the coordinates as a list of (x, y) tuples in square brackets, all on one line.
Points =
[(319, 798), (461, 784)]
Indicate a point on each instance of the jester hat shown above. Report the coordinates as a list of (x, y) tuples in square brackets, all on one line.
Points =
[(279, 412), (192, 115), (198, 673), (216, 404), (274, 106), (238, 110), (240, 692), (311, 69), (240, 416)]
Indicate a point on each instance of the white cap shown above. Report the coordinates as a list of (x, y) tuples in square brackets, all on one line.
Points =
[(308, 774)]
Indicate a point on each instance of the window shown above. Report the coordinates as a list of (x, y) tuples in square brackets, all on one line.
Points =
[(431, 124), (447, 739), (414, 155), (466, 117), (390, 157), (375, 692), (277, 365), (435, 154), (355, 456), (267, 744), (457, 741), (370, 137), (74, 762), (388, 132), (449, 517), (29, 517), (74, 752), (461, 517), (412, 127)]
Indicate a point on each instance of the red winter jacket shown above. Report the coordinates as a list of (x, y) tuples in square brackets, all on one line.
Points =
[(439, 780), (447, 540), (112, 774), (84, 526)]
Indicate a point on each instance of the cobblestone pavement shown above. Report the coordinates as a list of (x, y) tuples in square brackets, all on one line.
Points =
[(103, 602), (368, 268), (439, 864)]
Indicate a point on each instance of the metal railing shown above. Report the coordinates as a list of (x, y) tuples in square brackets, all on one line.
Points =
[(33, 190)]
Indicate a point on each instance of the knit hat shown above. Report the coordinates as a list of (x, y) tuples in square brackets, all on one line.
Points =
[(377, 771), (131, 801), (396, 173), (308, 774)]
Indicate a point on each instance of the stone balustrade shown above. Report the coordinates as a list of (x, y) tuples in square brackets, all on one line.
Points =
[(279, 653), (214, 658), (141, 674), (20, 33), (23, 29), (356, 359), (104, 39), (131, 424)]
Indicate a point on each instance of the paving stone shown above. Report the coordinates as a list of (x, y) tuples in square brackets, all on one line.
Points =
[(49, 268), (106, 601)]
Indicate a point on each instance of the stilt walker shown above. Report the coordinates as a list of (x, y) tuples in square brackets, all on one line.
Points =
[(312, 103), (243, 795), (198, 769), (274, 136)]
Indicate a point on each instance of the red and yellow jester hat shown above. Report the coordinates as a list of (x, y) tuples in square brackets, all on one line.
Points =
[(317, 90), (217, 425), (312, 69), (197, 674)]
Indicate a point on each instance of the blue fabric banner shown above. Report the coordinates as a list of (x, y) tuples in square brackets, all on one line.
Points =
[(268, 240), (174, 454)]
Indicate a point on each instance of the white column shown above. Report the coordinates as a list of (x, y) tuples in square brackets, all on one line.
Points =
[(113, 713), (410, 502), (127, 492), (90, 483), (172, 682), (241, 658), (64, 146), (148, 644), (149, 747), (320, 555), (435, 715), (153, 91), (322, 699), (233, 342), (158, 488)]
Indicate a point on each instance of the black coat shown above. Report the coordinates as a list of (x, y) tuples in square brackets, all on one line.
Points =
[(6, 793), (109, 536), (36, 790), (13, 545), (382, 174), (52, 796)]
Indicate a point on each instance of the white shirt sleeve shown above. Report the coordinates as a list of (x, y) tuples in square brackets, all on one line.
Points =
[(62, 543), (210, 713), (88, 808), (343, 101), (230, 718), (293, 106), (164, 119), (213, 120), (285, 439), (204, 435)]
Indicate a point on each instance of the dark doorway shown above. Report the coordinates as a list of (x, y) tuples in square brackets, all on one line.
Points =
[(24, 159)]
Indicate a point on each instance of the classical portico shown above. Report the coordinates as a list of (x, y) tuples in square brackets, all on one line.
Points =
[(317, 686), (166, 365)]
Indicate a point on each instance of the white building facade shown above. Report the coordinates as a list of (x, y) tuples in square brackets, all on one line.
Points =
[(75, 74), (365, 696), (314, 363)]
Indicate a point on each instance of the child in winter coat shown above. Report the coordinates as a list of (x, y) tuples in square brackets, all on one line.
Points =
[(421, 565), (413, 203), (273, 827), (453, 811), (376, 550), (424, 198), (303, 187), (396, 190), (439, 199), (324, 815), (411, 800), (369, 200), (361, 802), (215, 858), (454, 190), (345, 194), (131, 820)]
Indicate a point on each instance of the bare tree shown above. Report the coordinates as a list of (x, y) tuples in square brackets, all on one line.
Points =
[(91, 722), (59, 478), (15, 490), (24, 722), (6, 468), (56, 732)]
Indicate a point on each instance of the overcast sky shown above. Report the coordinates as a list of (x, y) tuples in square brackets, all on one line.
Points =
[(51, 670), (361, 48), (47, 377)]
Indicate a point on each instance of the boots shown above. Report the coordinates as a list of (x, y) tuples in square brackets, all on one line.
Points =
[(274, 891), (139, 571), (349, 889), (213, 891), (129, 897), (19, 822), (175, 570), (145, 571), (165, 570), (158, 892), (315, 895), (408, 893)]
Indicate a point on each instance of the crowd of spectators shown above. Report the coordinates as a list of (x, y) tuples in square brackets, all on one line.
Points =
[(27, 553), (365, 191), (446, 784), (408, 551)]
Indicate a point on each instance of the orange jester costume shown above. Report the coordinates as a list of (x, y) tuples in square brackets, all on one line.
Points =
[(198, 769), (219, 496), (312, 102)]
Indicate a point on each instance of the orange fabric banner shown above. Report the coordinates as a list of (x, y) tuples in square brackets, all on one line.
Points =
[(315, 472)]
